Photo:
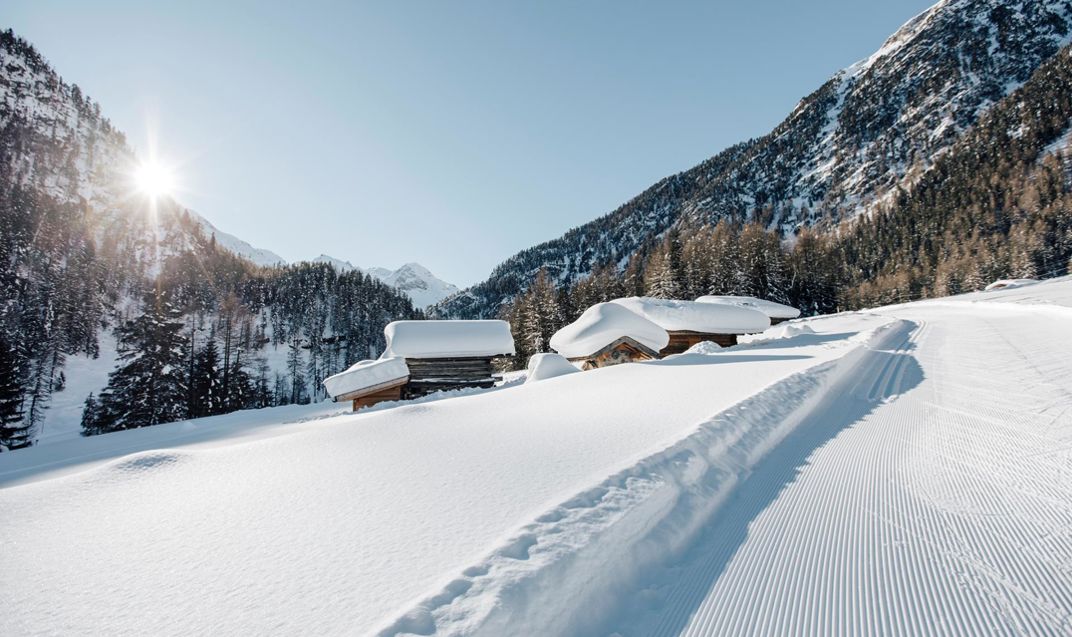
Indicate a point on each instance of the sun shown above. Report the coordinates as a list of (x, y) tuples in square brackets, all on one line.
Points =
[(154, 180)]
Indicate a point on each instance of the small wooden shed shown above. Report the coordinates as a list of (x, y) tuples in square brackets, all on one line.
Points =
[(443, 355), (369, 382), (608, 334), (688, 322), (423, 357)]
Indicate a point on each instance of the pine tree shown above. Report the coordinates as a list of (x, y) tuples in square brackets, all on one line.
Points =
[(14, 432), (206, 383), (149, 386)]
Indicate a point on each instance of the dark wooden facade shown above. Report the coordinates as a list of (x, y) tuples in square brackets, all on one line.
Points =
[(775, 321), (623, 350), (683, 340), (428, 375)]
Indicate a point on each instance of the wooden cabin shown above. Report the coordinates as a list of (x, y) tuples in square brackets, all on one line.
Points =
[(445, 355), (369, 382), (688, 323), (423, 357), (608, 334)]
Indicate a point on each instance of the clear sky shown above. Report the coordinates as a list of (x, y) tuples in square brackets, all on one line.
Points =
[(448, 133)]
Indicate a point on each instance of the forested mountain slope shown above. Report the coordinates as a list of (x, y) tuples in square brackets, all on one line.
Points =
[(874, 127), (88, 266)]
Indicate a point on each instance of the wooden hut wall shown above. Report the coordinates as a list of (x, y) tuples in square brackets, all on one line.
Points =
[(392, 393), (681, 341), (427, 375)]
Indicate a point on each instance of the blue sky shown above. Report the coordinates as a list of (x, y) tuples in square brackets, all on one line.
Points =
[(449, 133)]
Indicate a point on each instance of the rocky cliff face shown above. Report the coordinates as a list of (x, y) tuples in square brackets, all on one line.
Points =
[(875, 126)]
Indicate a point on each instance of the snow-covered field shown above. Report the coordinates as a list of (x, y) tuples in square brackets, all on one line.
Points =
[(901, 471)]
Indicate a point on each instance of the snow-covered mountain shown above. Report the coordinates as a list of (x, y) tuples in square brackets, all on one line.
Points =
[(338, 264), (872, 128), (415, 280), (242, 248)]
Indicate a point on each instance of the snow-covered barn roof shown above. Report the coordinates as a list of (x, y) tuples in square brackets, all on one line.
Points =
[(690, 316), (770, 308), (601, 325), (448, 339), (366, 375)]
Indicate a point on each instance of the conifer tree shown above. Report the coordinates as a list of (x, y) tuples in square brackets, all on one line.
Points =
[(15, 433), (149, 386)]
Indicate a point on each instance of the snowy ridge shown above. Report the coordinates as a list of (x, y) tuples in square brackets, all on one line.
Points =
[(567, 571), (233, 244)]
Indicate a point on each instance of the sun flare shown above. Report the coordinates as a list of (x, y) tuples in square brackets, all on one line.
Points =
[(154, 180)]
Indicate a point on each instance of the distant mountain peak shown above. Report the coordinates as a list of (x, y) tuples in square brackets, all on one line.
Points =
[(418, 282)]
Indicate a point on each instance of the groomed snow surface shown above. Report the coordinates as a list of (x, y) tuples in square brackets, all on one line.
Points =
[(900, 471)]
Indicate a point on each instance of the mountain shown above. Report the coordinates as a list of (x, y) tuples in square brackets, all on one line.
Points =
[(417, 282), (232, 243), (867, 133), (338, 264), (103, 292), (413, 279)]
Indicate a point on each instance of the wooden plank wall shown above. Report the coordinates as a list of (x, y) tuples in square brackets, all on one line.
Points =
[(681, 341), (427, 375)]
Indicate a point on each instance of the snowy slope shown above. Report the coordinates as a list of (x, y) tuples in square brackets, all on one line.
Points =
[(898, 471)]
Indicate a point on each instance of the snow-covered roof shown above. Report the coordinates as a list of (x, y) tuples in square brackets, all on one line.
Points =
[(544, 366), (365, 375), (690, 316), (601, 325), (1010, 283), (448, 339), (770, 308)]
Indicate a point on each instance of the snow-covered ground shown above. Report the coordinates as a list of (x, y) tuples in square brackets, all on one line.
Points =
[(901, 471)]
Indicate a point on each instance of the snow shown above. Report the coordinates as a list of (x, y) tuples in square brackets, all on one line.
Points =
[(365, 374), (417, 281), (897, 471), (550, 365), (704, 347), (770, 308), (601, 325), (258, 256), (448, 339), (708, 318), (1010, 283)]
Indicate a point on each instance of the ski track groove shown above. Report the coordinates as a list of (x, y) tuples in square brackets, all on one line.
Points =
[(944, 511)]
